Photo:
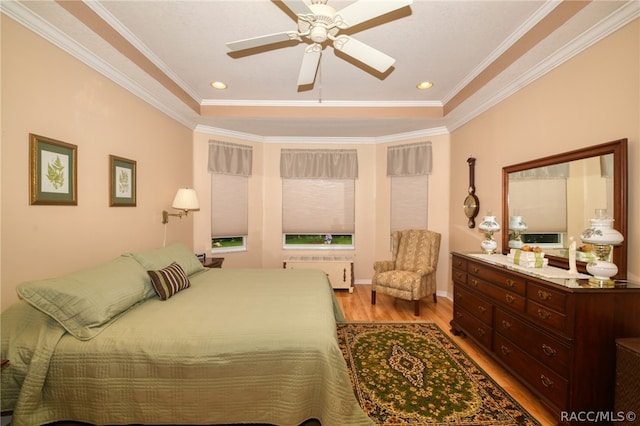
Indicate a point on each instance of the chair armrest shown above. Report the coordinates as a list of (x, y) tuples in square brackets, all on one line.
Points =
[(426, 271), (384, 265)]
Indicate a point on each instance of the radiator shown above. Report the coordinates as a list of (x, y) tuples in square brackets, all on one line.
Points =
[(339, 269)]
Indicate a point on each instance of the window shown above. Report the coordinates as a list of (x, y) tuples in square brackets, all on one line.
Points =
[(230, 167), (229, 212), (318, 199), (408, 167)]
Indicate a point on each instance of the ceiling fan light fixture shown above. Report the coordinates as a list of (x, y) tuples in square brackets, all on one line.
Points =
[(218, 85), (424, 85)]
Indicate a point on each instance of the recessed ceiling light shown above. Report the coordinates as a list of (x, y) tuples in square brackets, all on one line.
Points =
[(218, 85), (424, 85)]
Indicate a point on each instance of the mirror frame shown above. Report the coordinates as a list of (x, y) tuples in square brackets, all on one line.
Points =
[(619, 150)]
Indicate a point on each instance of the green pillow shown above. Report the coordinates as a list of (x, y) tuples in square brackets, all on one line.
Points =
[(86, 301), (160, 258)]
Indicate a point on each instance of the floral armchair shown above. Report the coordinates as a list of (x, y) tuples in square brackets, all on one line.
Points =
[(411, 274)]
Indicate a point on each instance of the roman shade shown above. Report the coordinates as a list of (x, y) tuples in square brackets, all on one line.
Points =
[(318, 190), (230, 167), (408, 167)]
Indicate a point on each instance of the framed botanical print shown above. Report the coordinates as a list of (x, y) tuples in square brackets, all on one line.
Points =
[(122, 182), (53, 176)]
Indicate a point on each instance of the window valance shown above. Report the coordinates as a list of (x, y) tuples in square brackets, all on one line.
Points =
[(230, 158), (554, 171), (319, 164), (412, 159)]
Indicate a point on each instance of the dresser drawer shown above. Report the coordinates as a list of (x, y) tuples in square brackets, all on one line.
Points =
[(496, 293), (459, 263), (547, 317), (550, 298), (549, 384), (459, 276), (472, 326), (549, 351), (513, 283), (480, 308)]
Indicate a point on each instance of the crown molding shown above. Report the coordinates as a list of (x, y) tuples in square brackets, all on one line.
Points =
[(322, 104), (21, 14), (34, 23), (216, 131), (607, 26)]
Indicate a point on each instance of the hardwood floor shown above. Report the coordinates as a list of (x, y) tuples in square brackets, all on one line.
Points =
[(357, 306)]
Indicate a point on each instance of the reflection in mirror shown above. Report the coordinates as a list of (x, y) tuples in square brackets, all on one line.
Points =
[(548, 202)]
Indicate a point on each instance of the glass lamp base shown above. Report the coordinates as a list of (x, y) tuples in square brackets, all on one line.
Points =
[(489, 246), (516, 244), (602, 272)]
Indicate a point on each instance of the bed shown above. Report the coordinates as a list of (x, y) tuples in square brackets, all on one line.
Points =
[(229, 346)]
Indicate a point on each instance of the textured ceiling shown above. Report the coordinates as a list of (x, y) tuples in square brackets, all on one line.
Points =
[(475, 52)]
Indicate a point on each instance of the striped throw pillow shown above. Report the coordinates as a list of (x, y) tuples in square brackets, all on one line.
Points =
[(168, 281)]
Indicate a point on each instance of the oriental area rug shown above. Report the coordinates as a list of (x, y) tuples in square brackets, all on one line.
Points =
[(411, 373)]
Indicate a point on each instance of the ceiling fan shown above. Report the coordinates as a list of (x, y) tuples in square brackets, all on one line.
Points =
[(318, 22)]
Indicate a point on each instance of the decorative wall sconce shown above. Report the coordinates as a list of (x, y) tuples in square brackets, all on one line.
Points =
[(516, 228), (186, 200), (602, 237), (489, 226)]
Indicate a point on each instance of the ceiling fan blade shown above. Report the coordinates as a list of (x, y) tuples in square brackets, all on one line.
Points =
[(364, 10), (363, 53), (263, 40), (309, 67), (298, 7)]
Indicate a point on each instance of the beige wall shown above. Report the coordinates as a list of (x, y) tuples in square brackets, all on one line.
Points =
[(47, 92), (372, 205), (591, 99), (66, 100)]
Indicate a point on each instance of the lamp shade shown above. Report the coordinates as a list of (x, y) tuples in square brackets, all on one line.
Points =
[(186, 199), (602, 232), (517, 224), (489, 224)]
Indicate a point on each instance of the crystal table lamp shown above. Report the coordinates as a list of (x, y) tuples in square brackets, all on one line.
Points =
[(516, 226), (489, 226), (602, 237)]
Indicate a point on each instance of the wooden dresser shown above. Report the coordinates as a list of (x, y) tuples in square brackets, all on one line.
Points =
[(557, 336)]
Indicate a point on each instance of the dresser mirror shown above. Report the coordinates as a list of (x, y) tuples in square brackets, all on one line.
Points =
[(547, 201)]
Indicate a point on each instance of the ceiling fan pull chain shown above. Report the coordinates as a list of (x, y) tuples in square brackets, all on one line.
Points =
[(320, 82)]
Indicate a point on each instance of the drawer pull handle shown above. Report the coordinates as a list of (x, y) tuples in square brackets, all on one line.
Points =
[(544, 295), (510, 282), (548, 350), (505, 350), (474, 282), (506, 324), (481, 309), (547, 382), (458, 275), (475, 269), (480, 332), (544, 314), (509, 298), (459, 315)]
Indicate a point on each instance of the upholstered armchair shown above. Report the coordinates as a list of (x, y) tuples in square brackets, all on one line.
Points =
[(411, 274)]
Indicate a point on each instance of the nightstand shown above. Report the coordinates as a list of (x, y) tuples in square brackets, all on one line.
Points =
[(213, 262)]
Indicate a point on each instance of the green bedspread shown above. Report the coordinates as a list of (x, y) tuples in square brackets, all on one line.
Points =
[(238, 346)]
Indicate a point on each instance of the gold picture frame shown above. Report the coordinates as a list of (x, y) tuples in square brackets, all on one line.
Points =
[(53, 172), (122, 182)]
